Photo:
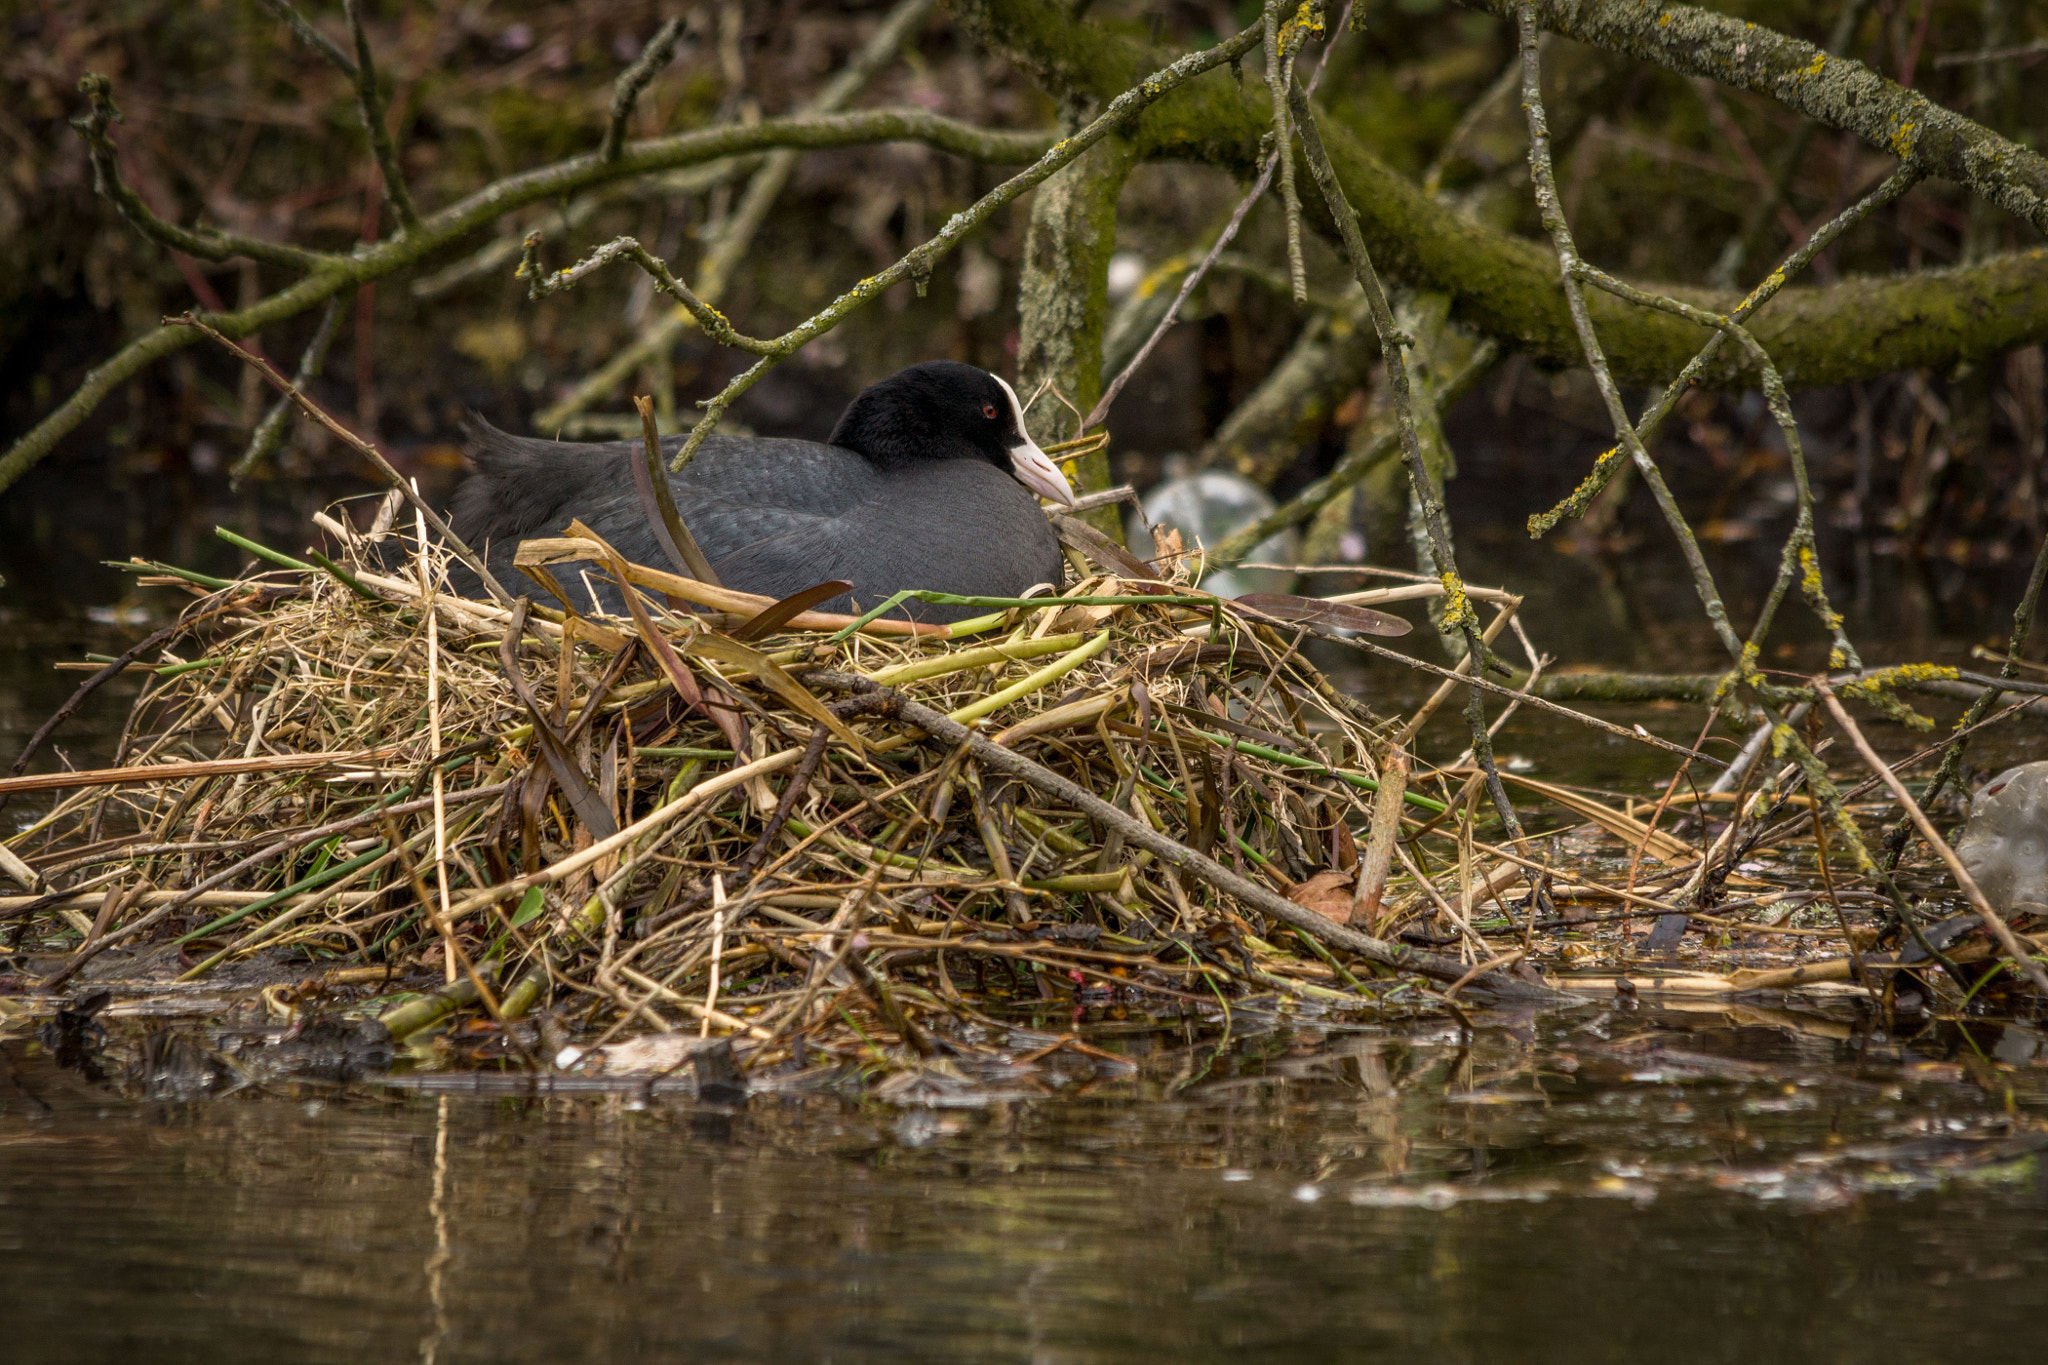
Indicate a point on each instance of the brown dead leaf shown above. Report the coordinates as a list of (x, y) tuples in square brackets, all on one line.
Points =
[(1328, 893)]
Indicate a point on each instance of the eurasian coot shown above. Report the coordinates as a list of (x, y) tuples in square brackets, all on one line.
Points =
[(922, 485)]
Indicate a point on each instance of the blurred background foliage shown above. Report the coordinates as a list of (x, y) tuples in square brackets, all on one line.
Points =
[(230, 121)]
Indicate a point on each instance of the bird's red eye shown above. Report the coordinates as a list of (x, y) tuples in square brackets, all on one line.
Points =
[(988, 410)]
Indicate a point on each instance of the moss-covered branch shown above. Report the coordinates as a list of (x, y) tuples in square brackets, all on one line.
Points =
[(1836, 91), (1507, 286)]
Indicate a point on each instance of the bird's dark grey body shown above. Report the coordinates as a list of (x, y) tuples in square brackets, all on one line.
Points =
[(774, 517), (777, 516)]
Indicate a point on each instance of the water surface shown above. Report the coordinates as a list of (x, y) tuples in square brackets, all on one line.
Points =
[(1599, 1185)]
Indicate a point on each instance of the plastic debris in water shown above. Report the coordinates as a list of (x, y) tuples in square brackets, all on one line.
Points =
[(2005, 845), (1205, 507)]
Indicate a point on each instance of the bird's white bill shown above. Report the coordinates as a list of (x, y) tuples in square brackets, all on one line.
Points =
[(1036, 471)]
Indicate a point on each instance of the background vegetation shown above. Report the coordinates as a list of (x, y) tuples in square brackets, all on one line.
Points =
[(1666, 178)]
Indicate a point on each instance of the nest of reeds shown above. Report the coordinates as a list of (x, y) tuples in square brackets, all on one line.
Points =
[(726, 817), (698, 814)]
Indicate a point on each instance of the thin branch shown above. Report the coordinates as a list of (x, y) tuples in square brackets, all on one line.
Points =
[(1569, 685), (1799, 557), (1569, 263), (540, 283), (2014, 949), (919, 262), (1279, 76), (1457, 607), (2000, 54), (632, 81), (1749, 237), (737, 235), (310, 36), (1352, 468), (370, 104), (332, 275), (505, 249), (268, 437), (1223, 239), (362, 447), (1573, 270), (1952, 753), (1895, 185), (1835, 91), (208, 244)]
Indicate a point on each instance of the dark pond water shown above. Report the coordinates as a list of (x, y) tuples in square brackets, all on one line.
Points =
[(1599, 1185), (1724, 1184)]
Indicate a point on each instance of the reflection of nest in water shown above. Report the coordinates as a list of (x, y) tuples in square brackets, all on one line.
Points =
[(673, 822)]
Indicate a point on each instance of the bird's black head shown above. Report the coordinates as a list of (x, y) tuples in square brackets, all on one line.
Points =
[(944, 410)]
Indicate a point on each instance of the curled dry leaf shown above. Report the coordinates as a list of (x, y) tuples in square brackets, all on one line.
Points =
[(1328, 893)]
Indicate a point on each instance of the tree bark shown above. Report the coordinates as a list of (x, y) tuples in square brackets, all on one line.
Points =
[(1063, 303)]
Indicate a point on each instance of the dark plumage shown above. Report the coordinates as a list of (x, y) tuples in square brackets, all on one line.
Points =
[(919, 487)]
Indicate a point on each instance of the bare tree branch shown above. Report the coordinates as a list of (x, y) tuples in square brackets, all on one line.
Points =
[(207, 245), (332, 275), (270, 432), (1507, 286), (1836, 91), (633, 80), (370, 104), (917, 265), (1458, 615), (714, 274)]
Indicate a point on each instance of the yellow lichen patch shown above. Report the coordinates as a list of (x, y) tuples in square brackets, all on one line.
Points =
[(1744, 671), (1820, 59), (1458, 612), (1903, 139), (1782, 740), (1905, 673), (1580, 496), (1593, 482), (1307, 21), (1810, 584), (1771, 284), (1876, 690)]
